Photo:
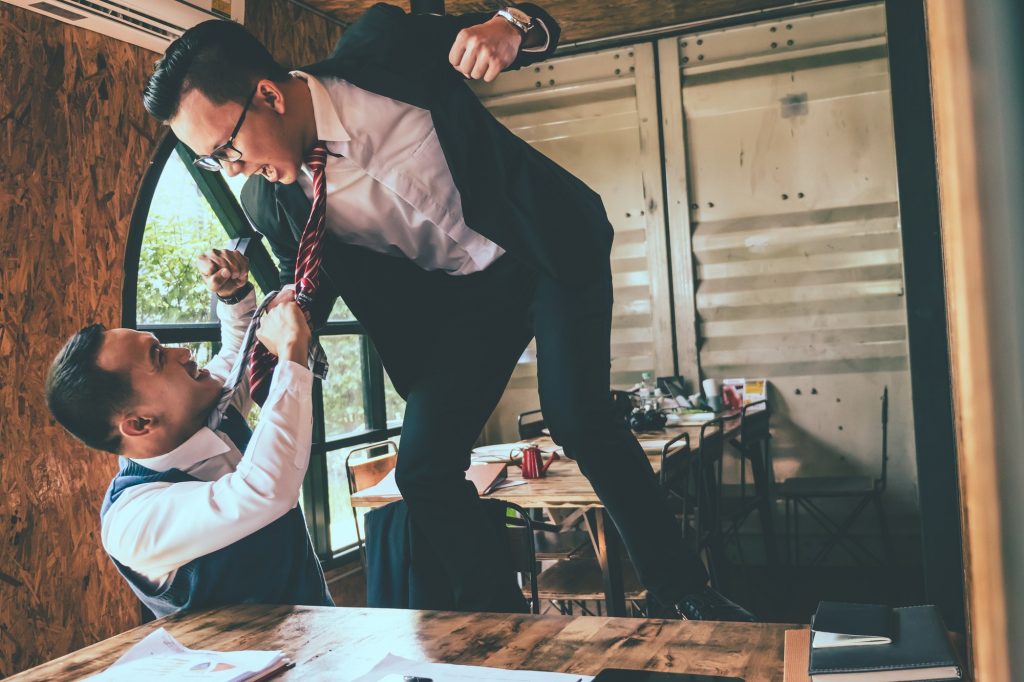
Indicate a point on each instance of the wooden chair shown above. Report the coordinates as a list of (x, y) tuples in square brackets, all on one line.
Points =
[(806, 492), (379, 460)]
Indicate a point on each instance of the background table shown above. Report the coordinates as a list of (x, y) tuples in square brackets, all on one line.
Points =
[(565, 486), (339, 644)]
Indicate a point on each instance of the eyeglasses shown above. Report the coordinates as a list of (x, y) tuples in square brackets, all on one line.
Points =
[(225, 152)]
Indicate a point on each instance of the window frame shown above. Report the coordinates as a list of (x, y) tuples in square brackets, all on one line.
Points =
[(316, 492)]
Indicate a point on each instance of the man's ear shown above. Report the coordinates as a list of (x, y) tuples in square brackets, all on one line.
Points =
[(270, 95), (134, 425)]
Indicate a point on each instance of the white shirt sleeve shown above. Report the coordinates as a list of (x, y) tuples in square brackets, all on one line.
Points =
[(547, 38), (234, 321), (156, 528)]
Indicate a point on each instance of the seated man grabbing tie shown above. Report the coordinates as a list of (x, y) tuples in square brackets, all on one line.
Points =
[(203, 511)]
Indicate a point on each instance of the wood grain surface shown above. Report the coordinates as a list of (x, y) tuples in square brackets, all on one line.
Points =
[(564, 485), (339, 644)]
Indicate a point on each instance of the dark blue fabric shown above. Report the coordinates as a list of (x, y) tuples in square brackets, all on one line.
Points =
[(405, 571), (234, 426), (274, 565)]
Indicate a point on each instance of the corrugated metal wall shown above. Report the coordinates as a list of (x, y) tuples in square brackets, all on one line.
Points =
[(794, 231), (596, 114), (782, 214)]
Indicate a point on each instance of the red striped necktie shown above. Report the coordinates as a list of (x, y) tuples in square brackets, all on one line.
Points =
[(307, 272)]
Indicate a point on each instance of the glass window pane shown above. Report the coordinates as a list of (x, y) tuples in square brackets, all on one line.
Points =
[(340, 311), (343, 528), (343, 389), (394, 405), (202, 351), (181, 225)]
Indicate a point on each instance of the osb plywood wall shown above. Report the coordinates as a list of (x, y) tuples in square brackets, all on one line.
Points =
[(74, 139), (295, 37)]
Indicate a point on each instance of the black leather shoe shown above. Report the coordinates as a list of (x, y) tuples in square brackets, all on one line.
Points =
[(708, 604)]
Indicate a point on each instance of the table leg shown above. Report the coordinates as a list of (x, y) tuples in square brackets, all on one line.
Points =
[(610, 558)]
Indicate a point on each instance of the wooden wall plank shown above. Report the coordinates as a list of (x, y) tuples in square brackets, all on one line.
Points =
[(971, 336)]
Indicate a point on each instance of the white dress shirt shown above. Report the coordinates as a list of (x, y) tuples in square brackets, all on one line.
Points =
[(155, 528), (391, 190)]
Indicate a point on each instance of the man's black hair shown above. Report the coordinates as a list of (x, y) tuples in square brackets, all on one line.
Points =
[(83, 397), (219, 58)]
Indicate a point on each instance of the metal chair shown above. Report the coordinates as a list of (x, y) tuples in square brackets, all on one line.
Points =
[(530, 425), (380, 460), (708, 526), (568, 540), (804, 492), (753, 448), (676, 478), (522, 533)]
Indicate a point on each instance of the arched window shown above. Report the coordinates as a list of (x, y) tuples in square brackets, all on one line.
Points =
[(181, 212)]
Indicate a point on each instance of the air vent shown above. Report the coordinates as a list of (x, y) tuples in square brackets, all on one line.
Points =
[(151, 24), (64, 14)]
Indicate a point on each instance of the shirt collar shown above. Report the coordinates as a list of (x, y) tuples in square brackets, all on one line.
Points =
[(328, 121), (201, 446)]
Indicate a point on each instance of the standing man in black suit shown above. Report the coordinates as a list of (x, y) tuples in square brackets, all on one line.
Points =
[(453, 242)]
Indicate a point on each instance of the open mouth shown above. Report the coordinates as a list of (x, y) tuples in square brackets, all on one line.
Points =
[(196, 373)]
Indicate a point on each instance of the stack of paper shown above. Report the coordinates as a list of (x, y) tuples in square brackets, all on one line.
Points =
[(397, 669), (161, 657)]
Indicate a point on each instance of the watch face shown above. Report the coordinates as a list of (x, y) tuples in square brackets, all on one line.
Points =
[(520, 16)]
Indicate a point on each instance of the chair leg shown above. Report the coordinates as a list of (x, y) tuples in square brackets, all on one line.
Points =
[(883, 526)]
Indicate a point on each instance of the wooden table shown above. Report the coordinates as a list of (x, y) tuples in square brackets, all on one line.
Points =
[(339, 644), (565, 486)]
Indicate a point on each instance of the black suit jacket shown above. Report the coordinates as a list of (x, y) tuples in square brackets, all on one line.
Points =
[(511, 194)]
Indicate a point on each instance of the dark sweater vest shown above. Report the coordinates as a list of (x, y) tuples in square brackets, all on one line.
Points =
[(274, 565)]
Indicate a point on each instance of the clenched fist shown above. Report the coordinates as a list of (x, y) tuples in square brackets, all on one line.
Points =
[(482, 51), (224, 271)]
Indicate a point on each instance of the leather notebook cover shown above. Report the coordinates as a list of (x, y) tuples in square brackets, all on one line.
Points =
[(486, 476), (920, 651), (844, 624)]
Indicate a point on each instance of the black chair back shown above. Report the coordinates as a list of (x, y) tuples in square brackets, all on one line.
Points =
[(521, 542), (754, 429), (880, 483), (530, 425), (709, 494)]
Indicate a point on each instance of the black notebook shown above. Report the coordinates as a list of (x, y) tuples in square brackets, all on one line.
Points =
[(621, 675), (920, 650), (843, 624)]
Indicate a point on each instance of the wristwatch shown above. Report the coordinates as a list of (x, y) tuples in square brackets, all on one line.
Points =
[(238, 296), (518, 18)]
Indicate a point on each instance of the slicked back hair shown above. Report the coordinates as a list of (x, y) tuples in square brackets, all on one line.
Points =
[(218, 58), (83, 398)]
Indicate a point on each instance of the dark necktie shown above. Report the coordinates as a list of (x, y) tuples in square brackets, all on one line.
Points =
[(233, 425), (307, 272)]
